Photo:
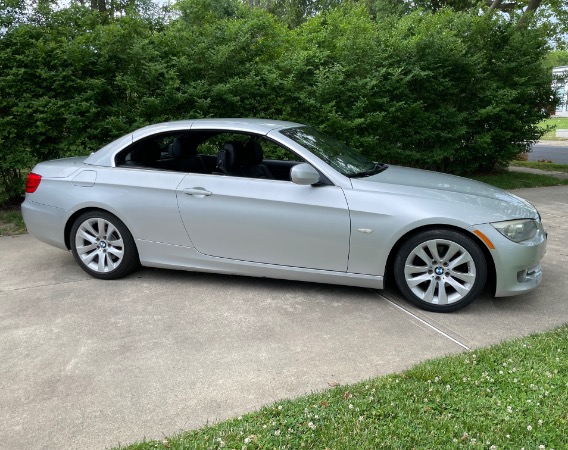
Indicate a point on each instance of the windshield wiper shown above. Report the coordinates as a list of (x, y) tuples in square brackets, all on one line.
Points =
[(377, 168)]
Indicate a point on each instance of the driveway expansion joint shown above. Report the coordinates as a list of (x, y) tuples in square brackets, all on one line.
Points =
[(394, 301)]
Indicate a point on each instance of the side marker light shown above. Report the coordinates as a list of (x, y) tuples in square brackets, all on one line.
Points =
[(485, 239)]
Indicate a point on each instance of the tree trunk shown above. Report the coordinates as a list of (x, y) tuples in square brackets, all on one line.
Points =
[(495, 5), (98, 5), (529, 12), (498, 4)]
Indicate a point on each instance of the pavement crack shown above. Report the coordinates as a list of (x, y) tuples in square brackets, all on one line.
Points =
[(42, 285)]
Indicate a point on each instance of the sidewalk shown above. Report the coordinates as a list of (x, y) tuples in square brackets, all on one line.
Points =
[(550, 173)]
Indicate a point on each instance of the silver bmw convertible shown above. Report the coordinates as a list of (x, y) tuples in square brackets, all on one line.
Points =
[(280, 199)]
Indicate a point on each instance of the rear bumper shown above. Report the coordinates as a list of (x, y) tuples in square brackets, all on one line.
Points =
[(45, 223)]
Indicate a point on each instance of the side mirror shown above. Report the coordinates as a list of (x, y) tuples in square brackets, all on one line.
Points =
[(304, 174)]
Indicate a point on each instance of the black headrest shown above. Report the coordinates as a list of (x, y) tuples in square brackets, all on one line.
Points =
[(183, 147), (232, 155), (254, 153), (146, 152)]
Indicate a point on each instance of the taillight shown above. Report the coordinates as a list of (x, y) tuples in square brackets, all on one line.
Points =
[(33, 182)]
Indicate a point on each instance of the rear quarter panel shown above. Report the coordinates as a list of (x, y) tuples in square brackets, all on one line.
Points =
[(145, 200)]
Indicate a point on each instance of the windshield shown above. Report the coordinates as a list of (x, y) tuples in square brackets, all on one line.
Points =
[(338, 155)]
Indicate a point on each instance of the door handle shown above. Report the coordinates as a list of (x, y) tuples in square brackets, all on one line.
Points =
[(197, 191)]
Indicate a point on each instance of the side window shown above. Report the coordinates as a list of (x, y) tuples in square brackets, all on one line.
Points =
[(142, 154), (165, 143), (211, 152), (274, 151), (278, 160), (212, 145), (170, 151), (246, 155)]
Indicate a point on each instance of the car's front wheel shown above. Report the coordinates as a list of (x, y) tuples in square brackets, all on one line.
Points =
[(102, 245), (440, 270)]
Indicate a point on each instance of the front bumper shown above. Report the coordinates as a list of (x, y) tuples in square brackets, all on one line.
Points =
[(517, 265)]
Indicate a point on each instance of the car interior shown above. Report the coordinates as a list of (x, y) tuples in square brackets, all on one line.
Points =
[(215, 153)]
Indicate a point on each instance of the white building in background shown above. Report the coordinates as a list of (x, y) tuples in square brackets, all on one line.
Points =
[(560, 83)]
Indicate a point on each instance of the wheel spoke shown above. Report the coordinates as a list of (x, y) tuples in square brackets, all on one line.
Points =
[(88, 227), (119, 253), (101, 265), (452, 250), (412, 282), (460, 289), (109, 262), (410, 268), (442, 294), (111, 230), (86, 248), (429, 293), (433, 247), (101, 226), (420, 253), (466, 277), (83, 234), (461, 259), (87, 259), (116, 242)]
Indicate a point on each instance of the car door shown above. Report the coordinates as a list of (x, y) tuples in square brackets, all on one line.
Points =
[(266, 221)]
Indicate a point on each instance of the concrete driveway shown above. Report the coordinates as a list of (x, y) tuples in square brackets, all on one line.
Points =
[(88, 364)]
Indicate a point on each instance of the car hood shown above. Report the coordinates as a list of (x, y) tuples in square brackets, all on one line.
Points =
[(448, 188)]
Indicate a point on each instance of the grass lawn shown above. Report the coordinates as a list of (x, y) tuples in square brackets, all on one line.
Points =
[(558, 122), (11, 222), (509, 396)]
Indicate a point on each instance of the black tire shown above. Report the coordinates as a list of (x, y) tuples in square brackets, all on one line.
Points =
[(443, 282), (102, 245)]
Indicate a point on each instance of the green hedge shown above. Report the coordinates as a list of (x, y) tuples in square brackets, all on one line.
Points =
[(448, 91)]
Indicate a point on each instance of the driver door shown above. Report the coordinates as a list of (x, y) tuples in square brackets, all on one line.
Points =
[(266, 221)]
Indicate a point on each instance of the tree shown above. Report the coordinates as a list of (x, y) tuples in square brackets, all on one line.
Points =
[(556, 58), (548, 15), (294, 12)]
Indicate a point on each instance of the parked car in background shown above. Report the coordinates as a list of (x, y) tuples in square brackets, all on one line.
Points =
[(279, 199)]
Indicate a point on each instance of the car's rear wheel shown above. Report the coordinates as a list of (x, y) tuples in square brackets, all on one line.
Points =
[(102, 245), (440, 270)]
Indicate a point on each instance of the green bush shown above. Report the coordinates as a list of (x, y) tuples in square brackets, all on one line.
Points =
[(448, 91)]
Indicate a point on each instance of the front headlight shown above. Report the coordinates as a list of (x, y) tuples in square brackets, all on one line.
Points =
[(517, 230)]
